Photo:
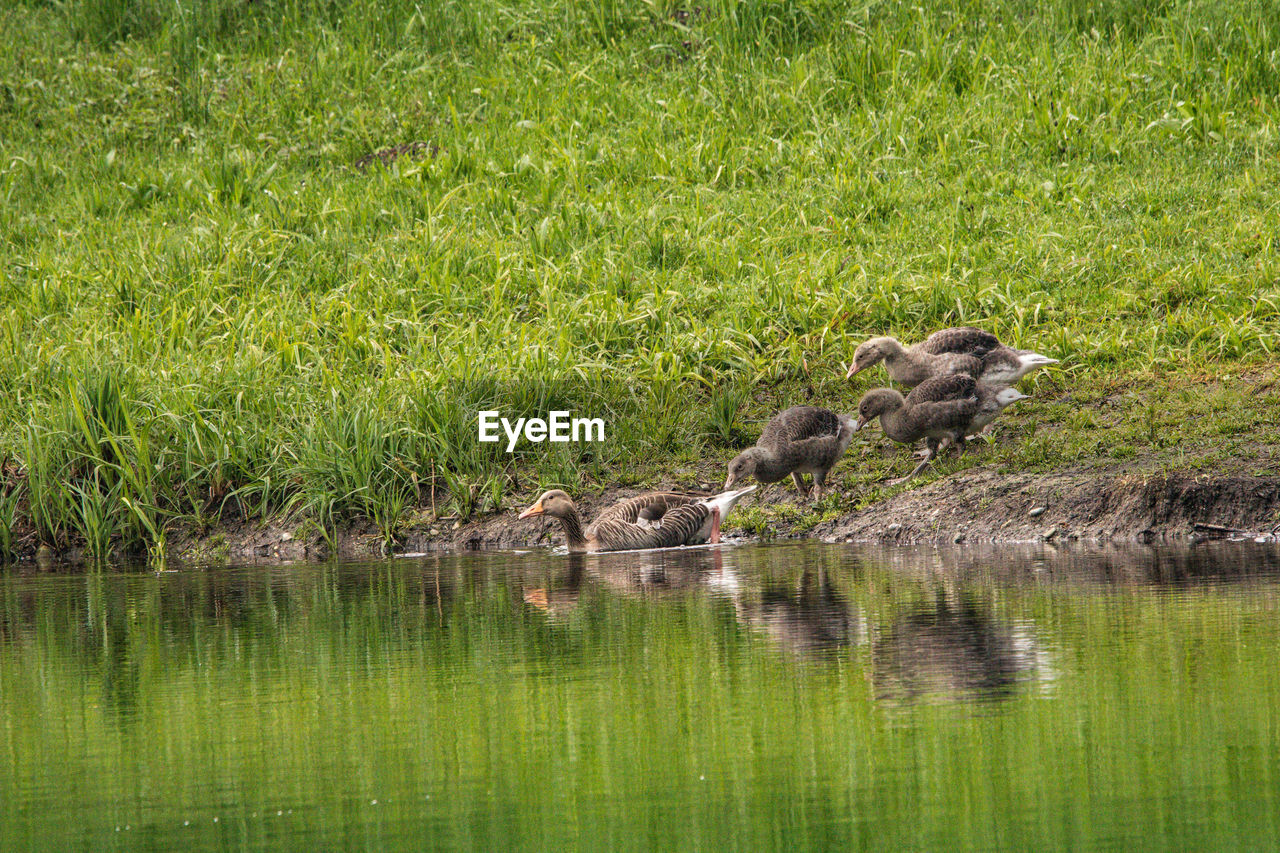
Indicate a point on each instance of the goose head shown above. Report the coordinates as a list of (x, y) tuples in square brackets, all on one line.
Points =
[(877, 402), (742, 466), (554, 503), (872, 352)]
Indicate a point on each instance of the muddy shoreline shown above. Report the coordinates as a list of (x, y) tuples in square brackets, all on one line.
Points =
[(978, 505)]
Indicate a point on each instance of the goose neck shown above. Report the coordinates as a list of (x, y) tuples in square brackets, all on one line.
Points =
[(571, 521)]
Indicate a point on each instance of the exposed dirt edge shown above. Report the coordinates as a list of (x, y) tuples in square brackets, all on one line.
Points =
[(985, 506)]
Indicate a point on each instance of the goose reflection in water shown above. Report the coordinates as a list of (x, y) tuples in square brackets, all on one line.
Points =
[(807, 616), (955, 647), (800, 611), (642, 573)]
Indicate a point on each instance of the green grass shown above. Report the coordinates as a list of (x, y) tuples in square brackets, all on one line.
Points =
[(675, 218)]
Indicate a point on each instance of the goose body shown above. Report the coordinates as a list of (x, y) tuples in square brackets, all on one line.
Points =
[(944, 408), (654, 520), (960, 350), (800, 440)]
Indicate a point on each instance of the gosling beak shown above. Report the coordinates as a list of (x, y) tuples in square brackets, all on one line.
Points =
[(859, 423), (729, 481), (853, 368), (536, 509)]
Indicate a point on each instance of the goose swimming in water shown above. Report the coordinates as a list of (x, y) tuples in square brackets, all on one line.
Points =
[(964, 350), (946, 408), (800, 440), (669, 520)]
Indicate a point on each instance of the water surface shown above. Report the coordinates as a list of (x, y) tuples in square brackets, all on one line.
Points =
[(795, 696)]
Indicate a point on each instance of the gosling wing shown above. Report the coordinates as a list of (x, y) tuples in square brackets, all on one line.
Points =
[(956, 386), (961, 339), (797, 424)]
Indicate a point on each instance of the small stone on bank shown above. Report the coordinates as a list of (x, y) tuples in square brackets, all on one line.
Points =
[(1037, 511)]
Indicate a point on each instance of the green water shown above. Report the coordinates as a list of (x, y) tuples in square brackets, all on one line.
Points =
[(790, 696)]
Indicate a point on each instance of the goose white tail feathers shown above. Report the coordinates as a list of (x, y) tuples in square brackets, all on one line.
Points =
[(1008, 372), (720, 505)]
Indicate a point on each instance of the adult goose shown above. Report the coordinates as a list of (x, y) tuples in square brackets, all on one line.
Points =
[(670, 520), (964, 350), (800, 440), (945, 408)]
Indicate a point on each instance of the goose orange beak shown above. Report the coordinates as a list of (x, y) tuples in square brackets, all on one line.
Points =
[(536, 509)]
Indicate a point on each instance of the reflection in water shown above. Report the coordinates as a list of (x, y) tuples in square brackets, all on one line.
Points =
[(790, 600), (1107, 565), (647, 574), (954, 645), (688, 698), (806, 615), (560, 598)]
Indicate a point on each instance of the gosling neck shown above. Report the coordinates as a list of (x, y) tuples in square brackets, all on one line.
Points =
[(894, 423), (905, 366), (770, 465)]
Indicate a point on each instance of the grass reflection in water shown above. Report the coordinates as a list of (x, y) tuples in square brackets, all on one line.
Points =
[(797, 696)]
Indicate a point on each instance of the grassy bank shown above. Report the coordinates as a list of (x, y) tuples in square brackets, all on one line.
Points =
[(674, 217)]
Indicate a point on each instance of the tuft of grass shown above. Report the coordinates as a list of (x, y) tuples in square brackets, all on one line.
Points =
[(11, 494), (723, 424)]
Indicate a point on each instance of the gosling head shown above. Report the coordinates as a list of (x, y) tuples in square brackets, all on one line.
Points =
[(877, 402), (742, 467), (554, 503), (872, 352), (1007, 396)]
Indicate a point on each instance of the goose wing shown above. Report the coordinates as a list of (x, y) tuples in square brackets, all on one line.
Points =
[(657, 504), (798, 424), (961, 339), (680, 526)]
